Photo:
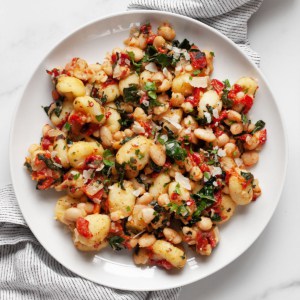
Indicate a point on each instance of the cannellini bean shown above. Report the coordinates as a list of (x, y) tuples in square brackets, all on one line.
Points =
[(251, 143), (236, 128), (205, 224), (166, 31), (159, 42), (222, 140), (158, 154), (227, 163), (189, 233), (234, 116), (250, 158), (106, 136), (205, 134), (128, 132), (145, 199), (139, 114), (172, 236), (146, 240), (148, 214), (232, 150), (87, 207), (163, 199), (119, 135), (73, 213)]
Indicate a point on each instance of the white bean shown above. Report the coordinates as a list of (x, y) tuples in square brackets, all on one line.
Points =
[(205, 134), (158, 154)]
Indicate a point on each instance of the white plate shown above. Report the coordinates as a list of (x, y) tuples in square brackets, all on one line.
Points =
[(116, 269)]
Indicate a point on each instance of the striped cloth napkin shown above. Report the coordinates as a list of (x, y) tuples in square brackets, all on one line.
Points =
[(27, 271)]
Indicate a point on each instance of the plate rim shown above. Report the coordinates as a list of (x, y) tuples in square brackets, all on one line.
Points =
[(220, 35)]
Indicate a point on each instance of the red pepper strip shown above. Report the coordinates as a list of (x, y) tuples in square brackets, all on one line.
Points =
[(82, 226)]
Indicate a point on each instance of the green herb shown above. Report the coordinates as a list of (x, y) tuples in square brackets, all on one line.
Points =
[(152, 55), (67, 126), (163, 59), (150, 86), (57, 110), (128, 208), (227, 102), (185, 44), (108, 163), (196, 72), (177, 189), (227, 84), (212, 53), (259, 125), (76, 176), (107, 153), (160, 140), (137, 65), (49, 163), (178, 209), (206, 175), (245, 119), (153, 95), (127, 139), (28, 166), (139, 154), (174, 150), (116, 242), (216, 217), (131, 94), (99, 117), (121, 171), (247, 175), (167, 183)]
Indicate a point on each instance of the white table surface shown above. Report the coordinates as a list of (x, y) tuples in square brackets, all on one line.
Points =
[(270, 269)]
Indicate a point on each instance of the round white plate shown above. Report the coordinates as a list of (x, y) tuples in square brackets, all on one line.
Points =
[(116, 269)]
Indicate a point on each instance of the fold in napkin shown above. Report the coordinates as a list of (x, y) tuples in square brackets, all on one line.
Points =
[(27, 271)]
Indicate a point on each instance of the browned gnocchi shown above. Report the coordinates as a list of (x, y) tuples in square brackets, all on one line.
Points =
[(151, 151)]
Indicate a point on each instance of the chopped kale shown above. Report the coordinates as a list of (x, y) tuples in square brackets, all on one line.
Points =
[(116, 242), (259, 125)]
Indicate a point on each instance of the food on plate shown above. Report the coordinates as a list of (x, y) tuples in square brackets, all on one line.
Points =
[(151, 150)]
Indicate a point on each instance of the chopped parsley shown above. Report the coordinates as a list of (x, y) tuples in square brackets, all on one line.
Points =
[(99, 118), (67, 126)]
